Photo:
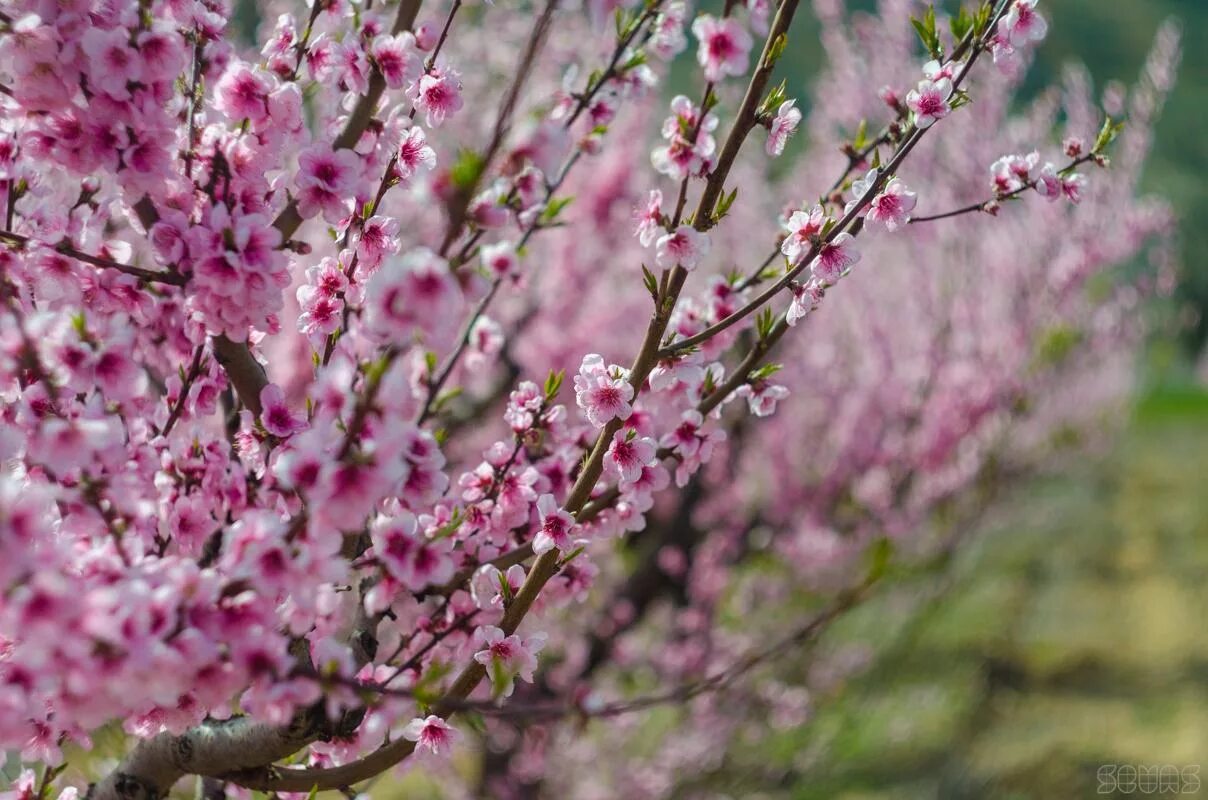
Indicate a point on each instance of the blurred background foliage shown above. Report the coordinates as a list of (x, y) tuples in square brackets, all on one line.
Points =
[(1069, 633)]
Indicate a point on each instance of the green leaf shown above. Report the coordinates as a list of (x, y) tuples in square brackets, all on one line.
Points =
[(636, 60), (466, 170), (554, 208), (1107, 135), (505, 589), (776, 50), (861, 140), (961, 24), (553, 383), (652, 283), (724, 204), (773, 100), (880, 553), (1056, 344), (571, 556), (500, 678), (451, 527), (927, 33), (982, 19), (445, 397), (766, 371), (475, 720), (765, 321)]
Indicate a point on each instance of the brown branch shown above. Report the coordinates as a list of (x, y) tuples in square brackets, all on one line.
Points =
[(65, 248)]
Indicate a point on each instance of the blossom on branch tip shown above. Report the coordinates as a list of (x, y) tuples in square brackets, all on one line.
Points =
[(762, 396)]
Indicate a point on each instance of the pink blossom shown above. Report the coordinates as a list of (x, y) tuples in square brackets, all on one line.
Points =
[(684, 154), (1048, 183), (893, 205), (802, 227), (397, 59), (724, 45), (929, 101), (500, 259), (628, 454), (412, 296), (486, 341), (556, 526), (437, 94), (414, 152), (834, 259), (805, 299), (1072, 186), (1005, 56), (43, 82), (684, 247), (325, 177), (762, 396), (1022, 25), (275, 414), (242, 93), (507, 657), (379, 238), (934, 70), (488, 582), (1013, 172), (649, 218), (114, 62), (781, 127), (431, 732), (669, 40), (602, 393), (523, 404), (411, 557)]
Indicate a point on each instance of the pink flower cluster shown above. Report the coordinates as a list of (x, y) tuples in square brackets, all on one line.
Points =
[(287, 455)]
